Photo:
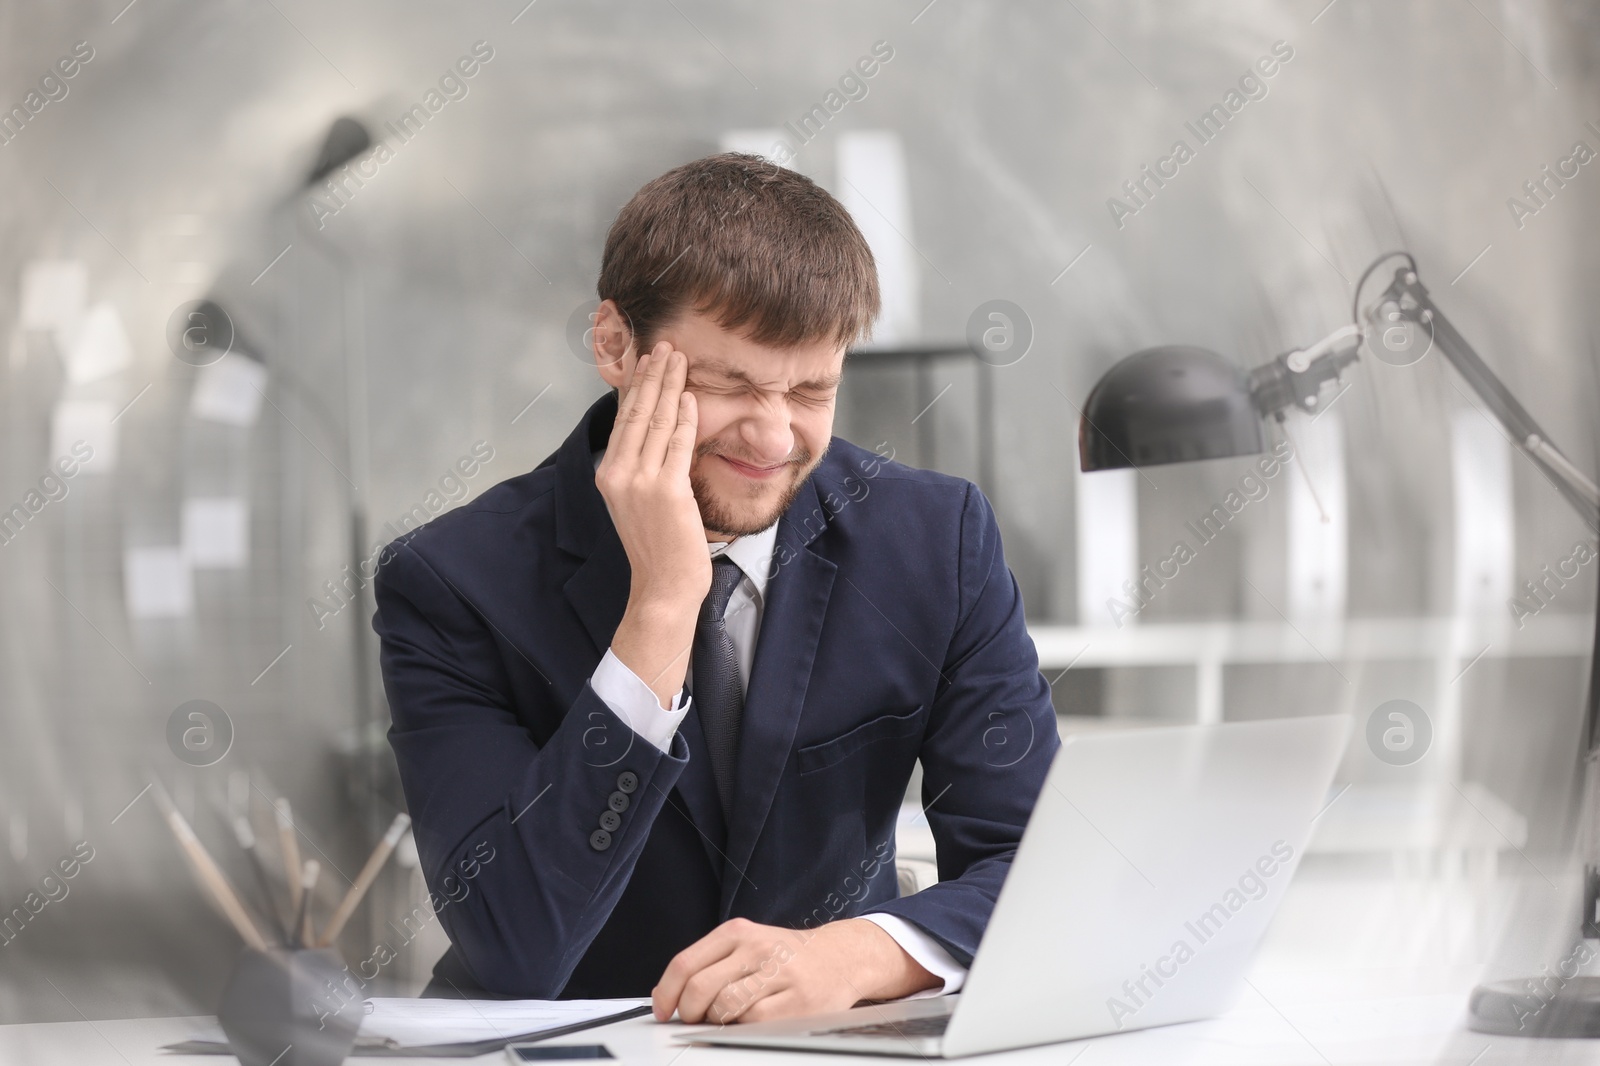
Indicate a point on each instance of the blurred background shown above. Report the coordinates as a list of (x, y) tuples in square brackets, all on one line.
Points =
[(288, 270)]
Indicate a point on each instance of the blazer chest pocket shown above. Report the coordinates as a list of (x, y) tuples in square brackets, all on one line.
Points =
[(891, 725)]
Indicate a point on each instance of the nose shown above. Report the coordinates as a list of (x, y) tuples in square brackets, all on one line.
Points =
[(767, 435)]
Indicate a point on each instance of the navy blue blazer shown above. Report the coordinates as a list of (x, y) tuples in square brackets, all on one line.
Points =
[(892, 631)]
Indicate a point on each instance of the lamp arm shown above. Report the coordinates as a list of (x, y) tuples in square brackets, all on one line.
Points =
[(1409, 297), (1301, 361), (1296, 378)]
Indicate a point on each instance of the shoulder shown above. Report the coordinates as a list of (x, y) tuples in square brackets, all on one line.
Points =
[(924, 541), (484, 528), (850, 474), (874, 510)]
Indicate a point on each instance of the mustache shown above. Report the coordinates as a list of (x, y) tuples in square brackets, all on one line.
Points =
[(711, 447)]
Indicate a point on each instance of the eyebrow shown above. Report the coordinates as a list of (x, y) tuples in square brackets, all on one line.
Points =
[(727, 370)]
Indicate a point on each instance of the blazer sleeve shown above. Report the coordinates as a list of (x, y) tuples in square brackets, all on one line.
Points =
[(506, 828), (990, 741)]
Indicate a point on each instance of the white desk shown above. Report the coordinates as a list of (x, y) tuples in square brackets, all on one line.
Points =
[(1343, 1032)]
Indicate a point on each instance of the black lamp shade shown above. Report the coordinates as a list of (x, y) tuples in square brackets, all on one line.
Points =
[(1168, 405)]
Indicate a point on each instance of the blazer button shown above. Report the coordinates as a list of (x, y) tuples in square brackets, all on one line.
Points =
[(627, 781), (599, 840), (610, 821), (617, 801)]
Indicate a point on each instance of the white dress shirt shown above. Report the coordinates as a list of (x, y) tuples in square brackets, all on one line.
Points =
[(633, 701)]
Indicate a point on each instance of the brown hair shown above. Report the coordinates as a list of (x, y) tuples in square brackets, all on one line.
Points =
[(763, 249)]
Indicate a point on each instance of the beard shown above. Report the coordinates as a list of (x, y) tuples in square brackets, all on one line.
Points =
[(749, 515)]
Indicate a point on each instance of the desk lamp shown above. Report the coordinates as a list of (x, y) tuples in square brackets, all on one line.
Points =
[(1177, 404)]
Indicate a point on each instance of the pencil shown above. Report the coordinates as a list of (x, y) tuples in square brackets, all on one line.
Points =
[(364, 880), (209, 874), (247, 843), (308, 881), (289, 844)]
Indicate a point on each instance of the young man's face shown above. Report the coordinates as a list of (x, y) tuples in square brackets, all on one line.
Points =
[(765, 414)]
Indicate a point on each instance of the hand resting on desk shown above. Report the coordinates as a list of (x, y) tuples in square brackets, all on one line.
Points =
[(743, 971)]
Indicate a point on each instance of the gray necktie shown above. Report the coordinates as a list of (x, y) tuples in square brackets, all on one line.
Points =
[(718, 697)]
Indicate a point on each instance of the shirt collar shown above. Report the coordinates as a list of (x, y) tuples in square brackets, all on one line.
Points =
[(753, 554)]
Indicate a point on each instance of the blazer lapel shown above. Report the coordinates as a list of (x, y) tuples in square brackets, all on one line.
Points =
[(598, 594), (791, 627)]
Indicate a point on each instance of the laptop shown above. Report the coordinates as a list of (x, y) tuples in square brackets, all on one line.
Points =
[(1148, 872)]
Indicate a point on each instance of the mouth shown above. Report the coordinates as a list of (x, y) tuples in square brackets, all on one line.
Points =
[(754, 473)]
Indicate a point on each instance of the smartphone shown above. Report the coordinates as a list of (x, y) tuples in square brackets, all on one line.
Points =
[(520, 1053)]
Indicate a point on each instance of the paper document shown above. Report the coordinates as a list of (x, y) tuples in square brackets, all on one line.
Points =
[(419, 1022), (456, 1027)]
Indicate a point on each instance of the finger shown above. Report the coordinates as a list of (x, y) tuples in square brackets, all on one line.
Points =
[(721, 991), (627, 397), (748, 997), (782, 1003), (628, 432), (664, 420), (680, 449), (711, 948), (629, 393), (633, 393)]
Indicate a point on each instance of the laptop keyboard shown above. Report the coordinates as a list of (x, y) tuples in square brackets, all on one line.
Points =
[(927, 1025)]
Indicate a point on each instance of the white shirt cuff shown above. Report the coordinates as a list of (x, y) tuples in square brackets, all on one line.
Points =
[(925, 950), (631, 700)]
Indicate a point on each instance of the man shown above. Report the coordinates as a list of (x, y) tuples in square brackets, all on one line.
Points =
[(656, 702)]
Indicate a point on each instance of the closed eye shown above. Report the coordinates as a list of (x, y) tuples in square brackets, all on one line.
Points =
[(809, 397), (700, 386)]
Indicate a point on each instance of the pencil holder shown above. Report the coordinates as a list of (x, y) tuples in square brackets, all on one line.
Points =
[(290, 1007)]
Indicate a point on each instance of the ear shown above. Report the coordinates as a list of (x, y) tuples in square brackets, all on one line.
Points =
[(611, 340)]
